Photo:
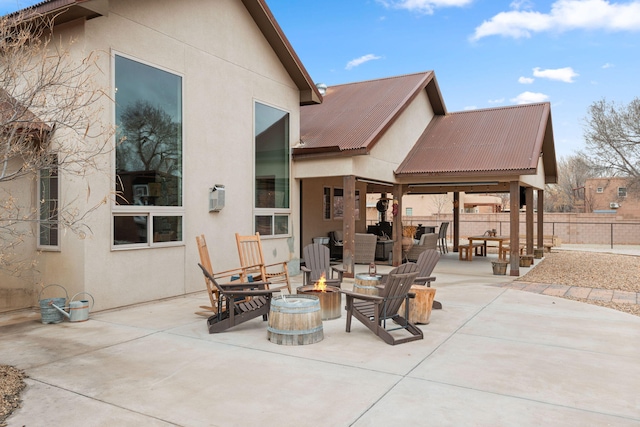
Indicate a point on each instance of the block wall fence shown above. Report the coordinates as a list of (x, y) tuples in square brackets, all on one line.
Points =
[(571, 228)]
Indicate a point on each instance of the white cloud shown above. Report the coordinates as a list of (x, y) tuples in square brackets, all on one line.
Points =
[(565, 74), (423, 6), (529, 97), (496, 101), (565, 15), (359, 61), (608, 65), (470, 107), (526, 80)]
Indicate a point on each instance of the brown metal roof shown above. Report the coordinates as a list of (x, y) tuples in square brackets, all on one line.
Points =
[(353, 117), (508, 139)]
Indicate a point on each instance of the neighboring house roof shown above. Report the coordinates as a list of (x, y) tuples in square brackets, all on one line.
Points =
[(496, 140), (14, 116), (68, 10), (353, 117)]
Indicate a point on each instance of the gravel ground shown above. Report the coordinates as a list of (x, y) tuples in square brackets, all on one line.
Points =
[(584, 269), (590, 270), (11, 385)]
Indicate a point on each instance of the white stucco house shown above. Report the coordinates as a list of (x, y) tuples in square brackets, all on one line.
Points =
[(218, 87)]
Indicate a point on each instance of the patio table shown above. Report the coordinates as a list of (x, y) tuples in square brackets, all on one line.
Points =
[(499, 239)]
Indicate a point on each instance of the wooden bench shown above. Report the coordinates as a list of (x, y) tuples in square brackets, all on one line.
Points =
[(549, 241), (464, 252), (507, 249)]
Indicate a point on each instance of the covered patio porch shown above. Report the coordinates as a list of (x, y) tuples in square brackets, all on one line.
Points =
[(394, 137)]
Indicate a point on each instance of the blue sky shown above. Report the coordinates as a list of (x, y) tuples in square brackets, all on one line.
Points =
[(485, 53)]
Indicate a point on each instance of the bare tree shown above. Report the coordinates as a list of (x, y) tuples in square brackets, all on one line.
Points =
[(568, 195), (612, 136), (441, 201), (49, 109)]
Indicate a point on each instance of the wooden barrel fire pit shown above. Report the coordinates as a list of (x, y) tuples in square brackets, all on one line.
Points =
[(295, 320), (366, 283), (329, 300)]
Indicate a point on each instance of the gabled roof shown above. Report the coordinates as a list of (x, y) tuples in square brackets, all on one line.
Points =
[(353, 117), (68, 10), (496, 140)]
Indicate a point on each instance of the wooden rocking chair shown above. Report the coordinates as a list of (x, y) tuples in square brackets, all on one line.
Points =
[(212, 290), (316, 263), (426, 262), (234, 307), (252, 263), (375, 310)]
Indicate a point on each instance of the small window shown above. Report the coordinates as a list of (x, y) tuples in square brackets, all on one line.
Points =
[(338, 203), (599, 190), (48, 190), (409, 211), (622, 191), (326, 203)]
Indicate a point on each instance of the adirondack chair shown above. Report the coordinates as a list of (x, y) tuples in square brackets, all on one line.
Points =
[(426, 262), (316, 259), (212, 290), (442, 237), (234, 306), (375, 310), (252, 263)]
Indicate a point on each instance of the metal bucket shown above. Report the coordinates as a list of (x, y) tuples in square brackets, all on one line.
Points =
[(48, 312), (79, 310)]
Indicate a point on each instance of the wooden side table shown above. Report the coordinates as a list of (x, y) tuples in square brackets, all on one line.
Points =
[(420, 306)]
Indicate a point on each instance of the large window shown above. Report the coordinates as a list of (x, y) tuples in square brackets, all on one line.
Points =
[(48, 190), (272, 171), (148, 172)]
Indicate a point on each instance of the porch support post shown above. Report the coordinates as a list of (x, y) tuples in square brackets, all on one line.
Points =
[(514, 228), (529, 219), (397, 226), (349, 224), (540, 243), (456, 220)]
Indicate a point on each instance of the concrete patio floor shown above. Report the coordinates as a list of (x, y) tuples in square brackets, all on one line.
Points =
[(493, 356)]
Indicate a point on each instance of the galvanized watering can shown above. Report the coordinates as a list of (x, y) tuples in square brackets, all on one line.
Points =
[(47, 311), (78, 310)]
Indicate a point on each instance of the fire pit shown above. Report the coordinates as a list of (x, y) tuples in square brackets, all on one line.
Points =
[(329, 297)]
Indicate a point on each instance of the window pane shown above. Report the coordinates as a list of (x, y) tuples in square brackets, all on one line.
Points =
[(281, 224), (167, 228), (149, 134), (48, 198), (338, 203), (326, 203), (130, 229), (622, 191), (272, 157), (263, 225)]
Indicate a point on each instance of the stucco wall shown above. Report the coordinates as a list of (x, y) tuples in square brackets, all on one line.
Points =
[(226, 65)]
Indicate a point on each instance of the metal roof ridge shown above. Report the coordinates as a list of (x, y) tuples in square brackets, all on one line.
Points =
[(391, 118), (382, 79), (504, 107)]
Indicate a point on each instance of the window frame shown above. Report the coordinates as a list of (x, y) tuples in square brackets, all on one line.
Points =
[(39, 244), (622, 190), (272, 212), (150, 211)]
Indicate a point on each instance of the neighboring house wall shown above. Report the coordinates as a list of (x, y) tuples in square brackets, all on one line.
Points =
[(226, 65), (604, 194)]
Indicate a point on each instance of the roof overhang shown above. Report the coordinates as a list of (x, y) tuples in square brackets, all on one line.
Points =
[(259, 11)]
